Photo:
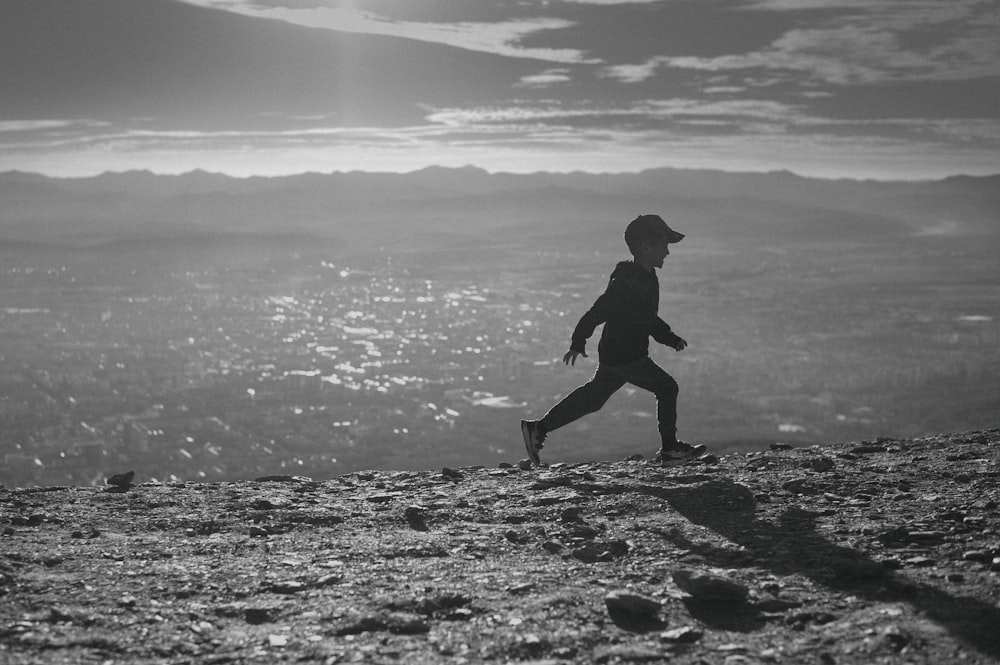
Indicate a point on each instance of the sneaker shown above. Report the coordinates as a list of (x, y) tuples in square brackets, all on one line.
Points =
[(533, 435), (680, 453)]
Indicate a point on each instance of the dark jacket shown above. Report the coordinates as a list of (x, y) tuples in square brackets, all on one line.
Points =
[(627, 308)]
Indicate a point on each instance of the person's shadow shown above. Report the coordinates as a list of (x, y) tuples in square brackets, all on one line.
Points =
[(792, 546)]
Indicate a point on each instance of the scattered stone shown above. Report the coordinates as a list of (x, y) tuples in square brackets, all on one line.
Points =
[(553, 500), (328, 580), (123, 480), (259, 615), (552, 546), (596, 552), (407, 624), (868, 449), (396, 623), (516, 537), (818, 618), (822, 464), (89, 533), (981, 556), (682, 635), (384, 498), (781, 446), (416, 517), (287, 587), (282, 478), (267, 504), (570, 514), (581, 530), (521, 589), (451, 474), (917, 536), (632, 603), (35, 519), (777, 604), (623, 653), (800, 486), (451, 606), (896, 637), (708, 587), (550, 480), (367, 624)]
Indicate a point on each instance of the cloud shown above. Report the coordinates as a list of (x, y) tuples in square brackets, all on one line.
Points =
[(858, 42), (873, 41), (650, 119), (499, 38), (635, 73), (545, 79), (523, 137), (610, 2), (42, 125), (656, 115)]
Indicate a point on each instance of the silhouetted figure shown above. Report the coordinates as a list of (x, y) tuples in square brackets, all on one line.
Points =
[(628, 310)]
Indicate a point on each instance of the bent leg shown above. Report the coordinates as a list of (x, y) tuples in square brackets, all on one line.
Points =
[(647, 375), (588, 398)]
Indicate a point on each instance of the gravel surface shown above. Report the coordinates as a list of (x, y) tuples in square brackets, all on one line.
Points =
[(884, 551)]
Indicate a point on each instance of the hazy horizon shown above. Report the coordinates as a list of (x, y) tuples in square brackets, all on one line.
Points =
[(887, 179)]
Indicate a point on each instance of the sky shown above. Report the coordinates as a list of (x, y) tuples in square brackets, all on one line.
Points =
[(884, 89)]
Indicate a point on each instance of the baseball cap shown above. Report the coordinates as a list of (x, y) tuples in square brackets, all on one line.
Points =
[(650, 226)]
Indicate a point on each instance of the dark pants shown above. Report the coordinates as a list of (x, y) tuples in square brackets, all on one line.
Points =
[(591, 396)]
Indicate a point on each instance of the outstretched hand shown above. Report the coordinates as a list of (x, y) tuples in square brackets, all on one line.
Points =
[(571, 356), (680, 344)]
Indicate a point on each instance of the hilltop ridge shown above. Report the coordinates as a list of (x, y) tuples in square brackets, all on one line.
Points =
[(882, 551), (469, 200)]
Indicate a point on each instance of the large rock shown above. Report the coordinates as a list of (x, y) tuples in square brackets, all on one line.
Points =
[(706, 587)]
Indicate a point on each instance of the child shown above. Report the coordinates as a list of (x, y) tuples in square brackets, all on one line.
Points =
[(628, 311)]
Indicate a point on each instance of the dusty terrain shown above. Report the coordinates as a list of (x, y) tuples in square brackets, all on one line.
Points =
[(882, 551)]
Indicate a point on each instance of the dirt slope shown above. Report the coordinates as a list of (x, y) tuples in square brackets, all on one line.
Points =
[(873, 552)]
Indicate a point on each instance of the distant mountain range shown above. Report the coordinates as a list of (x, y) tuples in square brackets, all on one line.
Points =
[(468, 201)]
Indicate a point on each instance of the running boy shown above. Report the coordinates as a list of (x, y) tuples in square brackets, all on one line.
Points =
[(628, 310)]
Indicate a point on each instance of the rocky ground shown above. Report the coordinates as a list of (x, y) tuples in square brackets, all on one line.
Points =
[(875, 552)]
